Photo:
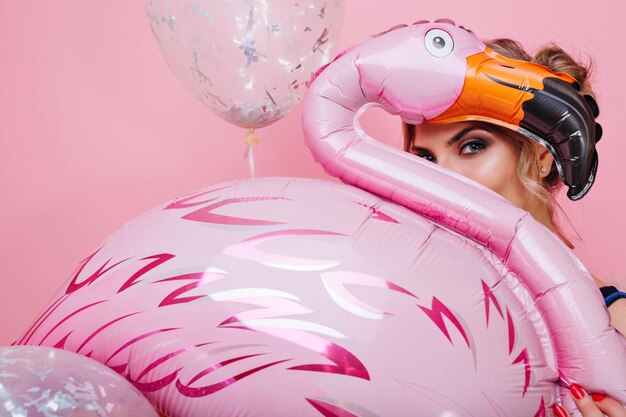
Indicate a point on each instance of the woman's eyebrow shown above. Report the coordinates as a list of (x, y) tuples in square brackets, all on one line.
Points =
[(456, 137), (463, 132)]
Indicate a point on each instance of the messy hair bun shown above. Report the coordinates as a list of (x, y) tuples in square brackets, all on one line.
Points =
[(550, 56)]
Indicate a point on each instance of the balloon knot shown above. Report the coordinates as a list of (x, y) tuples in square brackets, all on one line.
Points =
[(251, 138)]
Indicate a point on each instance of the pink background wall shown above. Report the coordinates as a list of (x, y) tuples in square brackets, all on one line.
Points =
[(95, 129)]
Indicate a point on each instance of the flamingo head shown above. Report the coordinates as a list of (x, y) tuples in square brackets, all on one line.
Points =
[(442, 73)]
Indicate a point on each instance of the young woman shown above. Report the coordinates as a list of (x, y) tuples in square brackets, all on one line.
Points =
[(524, 172)]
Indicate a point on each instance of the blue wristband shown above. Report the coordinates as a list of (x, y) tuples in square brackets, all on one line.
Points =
[(613, 297), (611, 294)]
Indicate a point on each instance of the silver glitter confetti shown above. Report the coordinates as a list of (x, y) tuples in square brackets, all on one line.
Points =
[(57, 383), (231, 53)]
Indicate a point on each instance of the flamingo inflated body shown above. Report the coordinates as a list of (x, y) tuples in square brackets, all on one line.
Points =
[(417, 292)]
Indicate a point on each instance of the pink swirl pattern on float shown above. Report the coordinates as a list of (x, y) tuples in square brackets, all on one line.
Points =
[(192, 312)]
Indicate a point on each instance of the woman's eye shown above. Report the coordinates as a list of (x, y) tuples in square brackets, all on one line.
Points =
[(473, 146), (428, 157)]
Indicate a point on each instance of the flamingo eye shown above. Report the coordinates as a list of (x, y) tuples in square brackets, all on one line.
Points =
[(438, 43)]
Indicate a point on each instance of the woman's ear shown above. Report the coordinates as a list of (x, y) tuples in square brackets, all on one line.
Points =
[(544, 159)]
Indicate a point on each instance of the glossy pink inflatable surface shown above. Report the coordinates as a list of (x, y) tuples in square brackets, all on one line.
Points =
[(417, 292), (302, 297)]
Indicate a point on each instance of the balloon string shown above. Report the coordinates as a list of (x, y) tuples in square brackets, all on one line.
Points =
[(251, 162), (251, 140)]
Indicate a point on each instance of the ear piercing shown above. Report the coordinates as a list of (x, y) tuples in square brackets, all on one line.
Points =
[(543, 168)]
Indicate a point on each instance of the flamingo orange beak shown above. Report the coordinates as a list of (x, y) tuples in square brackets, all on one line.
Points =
[(545, 106)]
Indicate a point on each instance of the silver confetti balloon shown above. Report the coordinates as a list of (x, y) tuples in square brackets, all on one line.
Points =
[(41, 381), (250, 61)]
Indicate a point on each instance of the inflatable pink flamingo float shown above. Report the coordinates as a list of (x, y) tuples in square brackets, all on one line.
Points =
[(415, 292)]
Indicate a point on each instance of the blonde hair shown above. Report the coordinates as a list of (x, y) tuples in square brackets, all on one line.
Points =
[(544, 190)]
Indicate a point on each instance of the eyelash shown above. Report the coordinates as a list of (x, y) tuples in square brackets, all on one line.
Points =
[(480, 142)]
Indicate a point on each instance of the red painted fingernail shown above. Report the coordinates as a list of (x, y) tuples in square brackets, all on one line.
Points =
[(559, 411), (577, 391), (598, 397)]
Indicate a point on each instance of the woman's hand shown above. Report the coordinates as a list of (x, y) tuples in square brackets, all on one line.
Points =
[(594, 405)]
